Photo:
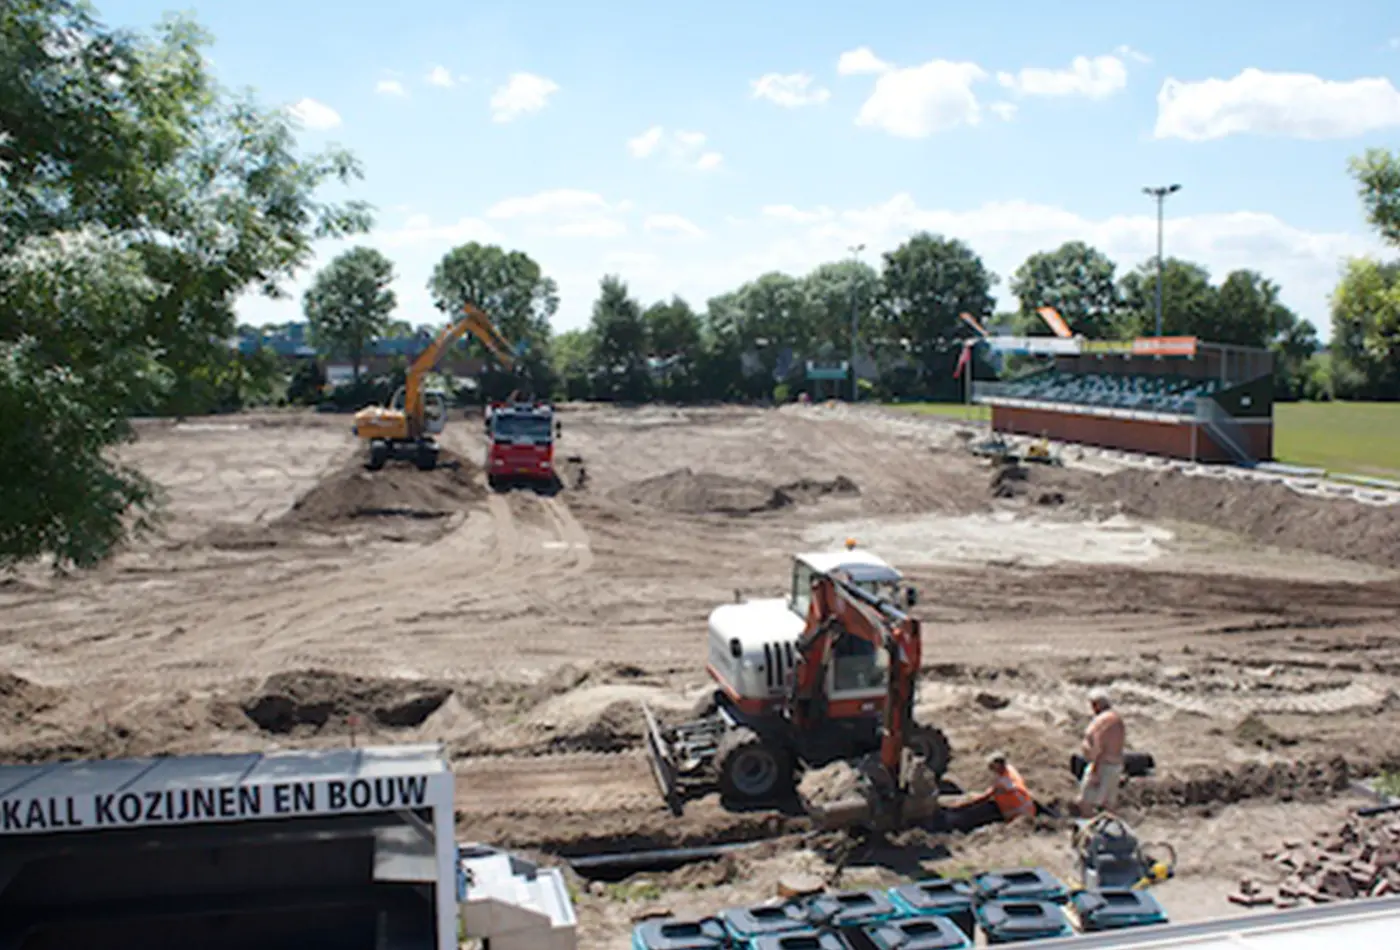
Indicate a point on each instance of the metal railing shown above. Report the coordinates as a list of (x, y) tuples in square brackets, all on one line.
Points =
[(1224, 429)]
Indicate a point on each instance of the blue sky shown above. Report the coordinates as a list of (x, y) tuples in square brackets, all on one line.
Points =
[(690, 146)]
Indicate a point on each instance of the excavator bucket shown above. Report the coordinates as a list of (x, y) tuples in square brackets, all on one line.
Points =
[(663, 764)]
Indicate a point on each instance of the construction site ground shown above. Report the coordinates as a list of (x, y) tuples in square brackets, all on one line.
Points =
[(1250, 632)]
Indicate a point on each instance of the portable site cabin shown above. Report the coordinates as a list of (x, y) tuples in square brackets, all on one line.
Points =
[(344, 848)]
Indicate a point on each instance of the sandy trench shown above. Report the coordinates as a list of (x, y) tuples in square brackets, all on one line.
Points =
[(522, 630)]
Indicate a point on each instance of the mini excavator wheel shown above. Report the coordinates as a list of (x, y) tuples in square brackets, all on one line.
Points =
[(932, 746), (751, 770), (378, 455)]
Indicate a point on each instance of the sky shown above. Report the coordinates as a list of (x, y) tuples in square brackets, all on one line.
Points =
[(689, 147)]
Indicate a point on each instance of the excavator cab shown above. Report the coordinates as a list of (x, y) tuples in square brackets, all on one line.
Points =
[(434, 408)]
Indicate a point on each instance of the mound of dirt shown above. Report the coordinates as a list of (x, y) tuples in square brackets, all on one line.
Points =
[(1266, 512), (696, 493), (397, 490), (321, 701), (21, 700), (688, 492), (1279, 781), (811, 489)]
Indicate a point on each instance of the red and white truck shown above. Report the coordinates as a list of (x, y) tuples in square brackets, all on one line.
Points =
[(521, 443)]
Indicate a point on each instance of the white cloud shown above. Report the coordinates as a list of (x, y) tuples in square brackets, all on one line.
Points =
[(419, 230), (861, 61), (1293, 105), (440, 76), (315, 115), (646, 143), (564, 212), (918, 101), (672, 224), (1003, 110), (1127, 52), (390, 87), (683, 148), (789, 91), (522, 94), (796, 215), (1094, 78)]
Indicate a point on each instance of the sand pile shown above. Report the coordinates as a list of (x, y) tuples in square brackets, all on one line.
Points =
[(397, 490), (695, 493), (688, 492), (21, 700), (1266, 512), (322, 701), (1278, 781)]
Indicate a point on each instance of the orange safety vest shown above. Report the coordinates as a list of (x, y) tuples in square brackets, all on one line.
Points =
[(1011, 795)]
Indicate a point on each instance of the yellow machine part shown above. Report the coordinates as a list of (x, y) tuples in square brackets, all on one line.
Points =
[(380, 422)]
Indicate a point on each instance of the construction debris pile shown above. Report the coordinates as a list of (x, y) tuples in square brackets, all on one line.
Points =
[(1361, 859)]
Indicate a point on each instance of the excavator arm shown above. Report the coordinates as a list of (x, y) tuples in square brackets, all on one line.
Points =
[(840, 608), (474, 322)]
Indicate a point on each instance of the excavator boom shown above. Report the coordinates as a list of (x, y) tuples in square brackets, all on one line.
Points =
[(474, 322)]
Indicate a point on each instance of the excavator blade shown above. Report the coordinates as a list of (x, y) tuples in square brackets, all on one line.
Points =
[(663, 766)]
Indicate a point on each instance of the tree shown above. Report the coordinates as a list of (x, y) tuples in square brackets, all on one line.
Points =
[(1366, 304), (619, 343), (1366, 331), (75, 362), (927, 282), (1377, 175), (512, 290), (673, 337), (1189, 302), (1078, 281), (832, 294), (571, 353), (137, 202), (350, 301)]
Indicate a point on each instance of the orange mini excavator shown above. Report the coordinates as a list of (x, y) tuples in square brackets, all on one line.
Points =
[(841, 689)]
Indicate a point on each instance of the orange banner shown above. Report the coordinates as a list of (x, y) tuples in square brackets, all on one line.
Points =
[(1164, 346), (1055, 322)]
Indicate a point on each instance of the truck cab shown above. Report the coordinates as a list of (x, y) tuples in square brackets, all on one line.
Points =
[(752, 649), (522, 443)]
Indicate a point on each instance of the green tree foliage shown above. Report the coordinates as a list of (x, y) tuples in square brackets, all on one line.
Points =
[(349, 303), (75, 361), (1377, 175), (138, 200), (1078, 281), (1366, 331), (832, 294), (619, 344), (513, 291), (1365, 347), (928, 281), (673, 337), (572, 356), (1188, 300)]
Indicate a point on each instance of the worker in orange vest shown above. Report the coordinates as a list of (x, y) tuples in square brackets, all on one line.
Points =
[(1008, 798)]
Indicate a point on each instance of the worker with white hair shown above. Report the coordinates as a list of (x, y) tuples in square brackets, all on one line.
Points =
[(1103, 748)]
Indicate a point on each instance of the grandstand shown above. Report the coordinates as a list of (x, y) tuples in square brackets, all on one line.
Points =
[(1172, 396)]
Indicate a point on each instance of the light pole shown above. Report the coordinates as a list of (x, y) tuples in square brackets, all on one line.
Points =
[(1160, 193), (855, 250)]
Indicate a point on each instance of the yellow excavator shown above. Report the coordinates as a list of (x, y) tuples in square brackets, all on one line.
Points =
[(405, 429)]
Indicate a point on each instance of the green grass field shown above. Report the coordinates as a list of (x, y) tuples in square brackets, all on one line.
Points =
[(1357, 438)]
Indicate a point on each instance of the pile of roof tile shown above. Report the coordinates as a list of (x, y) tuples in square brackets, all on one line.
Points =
[(1360, 859)]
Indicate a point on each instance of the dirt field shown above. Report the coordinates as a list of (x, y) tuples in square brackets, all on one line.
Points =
[(292, 599)]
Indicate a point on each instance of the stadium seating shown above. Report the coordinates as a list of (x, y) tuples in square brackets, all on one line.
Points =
[(1165, 394)]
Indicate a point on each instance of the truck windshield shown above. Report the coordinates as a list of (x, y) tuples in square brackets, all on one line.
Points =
[(512, 427)]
